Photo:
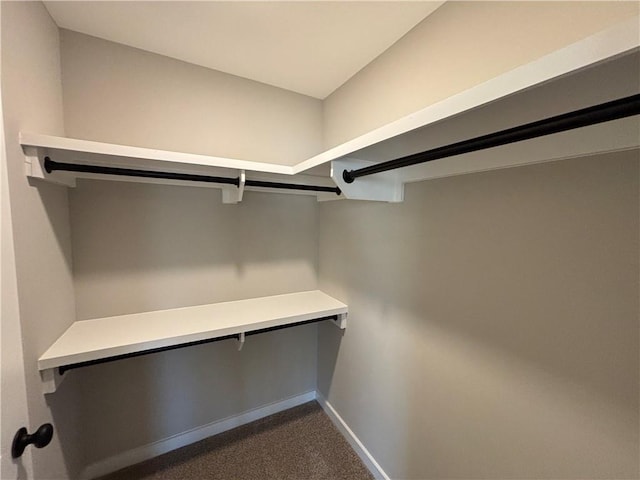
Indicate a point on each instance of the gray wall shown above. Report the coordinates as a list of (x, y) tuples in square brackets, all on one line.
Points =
[(118, 94), (32, 101), (146, 247), (493, 323), (459, 46)]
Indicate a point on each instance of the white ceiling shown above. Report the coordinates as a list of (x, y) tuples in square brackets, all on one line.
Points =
[(308, 47)]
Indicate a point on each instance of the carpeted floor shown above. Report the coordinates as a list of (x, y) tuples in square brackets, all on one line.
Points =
[(300, 443)]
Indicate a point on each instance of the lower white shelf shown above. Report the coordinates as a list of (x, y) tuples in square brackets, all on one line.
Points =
[(103, 339)]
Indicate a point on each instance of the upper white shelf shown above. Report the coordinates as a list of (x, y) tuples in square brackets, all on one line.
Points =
[(72, 149), (84, 153), (431, 126), (620, 39), (103, 338)]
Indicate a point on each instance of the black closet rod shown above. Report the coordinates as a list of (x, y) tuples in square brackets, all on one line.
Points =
[(51, 166), (99, 361), (605, 112), (290, 186)]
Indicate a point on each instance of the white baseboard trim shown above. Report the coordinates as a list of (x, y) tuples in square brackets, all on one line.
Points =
[(366, 457), (146, 452)]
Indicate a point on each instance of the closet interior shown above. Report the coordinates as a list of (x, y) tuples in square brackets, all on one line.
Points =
[(453, 278)]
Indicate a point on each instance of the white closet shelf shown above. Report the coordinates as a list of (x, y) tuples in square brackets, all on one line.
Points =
[(98, 340), (64, 160), (419, 131), (73, 149)]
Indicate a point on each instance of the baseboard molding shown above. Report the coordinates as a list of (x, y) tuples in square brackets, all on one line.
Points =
[(366, 457), (151, 450)]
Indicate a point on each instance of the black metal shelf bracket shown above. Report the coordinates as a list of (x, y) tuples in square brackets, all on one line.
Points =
[(605, 112), (52, 166)]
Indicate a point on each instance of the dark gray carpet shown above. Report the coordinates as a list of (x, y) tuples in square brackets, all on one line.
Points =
[(300, 443)]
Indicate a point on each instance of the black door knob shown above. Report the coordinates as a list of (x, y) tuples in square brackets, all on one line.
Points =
[(39, 439)]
